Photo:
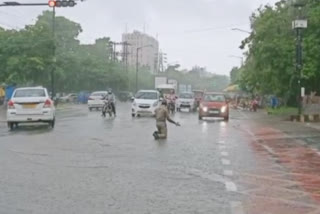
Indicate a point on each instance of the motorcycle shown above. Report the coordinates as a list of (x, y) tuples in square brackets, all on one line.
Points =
[(107, 108)]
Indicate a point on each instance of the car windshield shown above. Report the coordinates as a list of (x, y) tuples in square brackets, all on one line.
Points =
[(30, 93), (198, 94), (186, 96), (147, 95), (214, 98)]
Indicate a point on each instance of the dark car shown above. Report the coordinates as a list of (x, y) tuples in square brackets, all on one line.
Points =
[(214, 105), (125, 96)]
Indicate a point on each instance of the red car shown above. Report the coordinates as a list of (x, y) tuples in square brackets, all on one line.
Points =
[(214, 105)]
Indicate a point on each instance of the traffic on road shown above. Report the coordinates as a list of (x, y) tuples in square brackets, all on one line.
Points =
[(159, 107)]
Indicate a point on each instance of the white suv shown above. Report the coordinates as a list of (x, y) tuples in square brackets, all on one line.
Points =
[(145, 103), (30, 105)]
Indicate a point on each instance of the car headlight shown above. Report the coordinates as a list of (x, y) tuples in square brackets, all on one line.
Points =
[(224, 109), (134, 104), (205, 109), (155, 104)]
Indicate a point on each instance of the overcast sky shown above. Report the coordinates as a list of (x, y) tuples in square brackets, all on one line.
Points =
[(191, 32)]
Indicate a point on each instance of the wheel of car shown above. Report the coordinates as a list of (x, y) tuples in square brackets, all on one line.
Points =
[(52, 123), (133, 115), (200, 118), (226, 118), (11, 126), (90, 109)]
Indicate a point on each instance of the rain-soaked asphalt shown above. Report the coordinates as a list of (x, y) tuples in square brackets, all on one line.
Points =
[(88, 164)]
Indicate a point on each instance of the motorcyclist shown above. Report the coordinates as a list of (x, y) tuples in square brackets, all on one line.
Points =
[(110, 97), (162, 115), (254, 105), (171, 99)]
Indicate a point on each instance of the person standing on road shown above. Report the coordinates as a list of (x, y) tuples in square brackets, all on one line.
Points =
[(162, 115)]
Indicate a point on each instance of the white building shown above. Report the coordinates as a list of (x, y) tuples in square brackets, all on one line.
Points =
[(148, 50)]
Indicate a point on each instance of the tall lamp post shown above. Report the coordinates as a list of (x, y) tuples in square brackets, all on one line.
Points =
[(241, 30), (137, 63), (298, 25)]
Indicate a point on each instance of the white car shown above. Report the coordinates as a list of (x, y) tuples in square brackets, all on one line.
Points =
[(70, 98), (145, 103), (95, 100), (186, 101), (28, 105)]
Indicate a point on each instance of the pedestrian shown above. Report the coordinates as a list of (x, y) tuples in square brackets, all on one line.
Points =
[(162, 115), (2, 94), (274, 102)]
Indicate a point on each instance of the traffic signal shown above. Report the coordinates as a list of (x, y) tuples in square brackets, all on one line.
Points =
[(62, 3), (52, 3)]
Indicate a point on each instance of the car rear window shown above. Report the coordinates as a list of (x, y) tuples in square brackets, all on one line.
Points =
[(186, 96), (99, 94), (30, 93), (214, 98), (147, 95)]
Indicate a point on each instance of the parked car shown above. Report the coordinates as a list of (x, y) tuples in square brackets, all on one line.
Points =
[(145, 103), (186, 101), (95, 100), (214, 105), (30, 105), (70, 98)]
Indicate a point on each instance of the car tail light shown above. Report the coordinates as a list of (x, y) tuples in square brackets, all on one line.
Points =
[(90, 98), (47, 104), (10, 104)]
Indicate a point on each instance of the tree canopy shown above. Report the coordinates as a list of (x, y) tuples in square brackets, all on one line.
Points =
[(27, 57), (270, 64)]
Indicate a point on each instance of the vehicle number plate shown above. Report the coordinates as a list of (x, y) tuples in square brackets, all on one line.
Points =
[(29, 106), (214, 112)]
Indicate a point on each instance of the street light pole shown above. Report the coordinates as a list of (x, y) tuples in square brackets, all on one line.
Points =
[(241, 30), (298, 25)]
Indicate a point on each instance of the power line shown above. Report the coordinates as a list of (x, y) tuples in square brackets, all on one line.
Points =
[(214, 28)]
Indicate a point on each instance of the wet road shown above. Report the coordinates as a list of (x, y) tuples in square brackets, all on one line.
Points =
[(88, 164)]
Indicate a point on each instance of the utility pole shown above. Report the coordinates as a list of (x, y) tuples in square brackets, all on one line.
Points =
[(125, 54), (137, 68), (298, 25), (137, 63), (53, 52)]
